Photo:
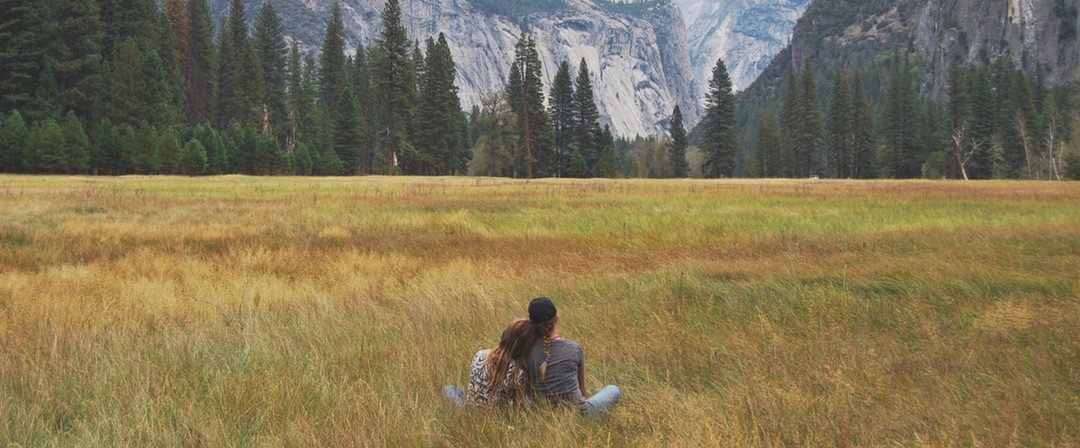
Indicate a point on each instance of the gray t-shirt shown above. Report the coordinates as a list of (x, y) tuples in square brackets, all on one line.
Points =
[(560, 385)]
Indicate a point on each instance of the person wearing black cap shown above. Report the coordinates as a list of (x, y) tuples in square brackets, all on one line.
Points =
[(556, 365)]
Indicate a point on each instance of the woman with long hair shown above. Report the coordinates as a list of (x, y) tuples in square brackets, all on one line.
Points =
[(497, 378), (556, 365)]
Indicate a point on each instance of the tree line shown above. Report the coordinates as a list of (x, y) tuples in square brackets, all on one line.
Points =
[(998, 122), (133, 87), (126, 86)]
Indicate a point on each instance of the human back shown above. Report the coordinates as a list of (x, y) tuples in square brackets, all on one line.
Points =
[(558, 382)]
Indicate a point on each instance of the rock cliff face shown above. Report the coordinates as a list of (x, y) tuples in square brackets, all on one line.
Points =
[(745, 33), (638, 53), (1035, 34)]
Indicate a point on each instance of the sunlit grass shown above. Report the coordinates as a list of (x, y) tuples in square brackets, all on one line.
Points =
[(295, 311)]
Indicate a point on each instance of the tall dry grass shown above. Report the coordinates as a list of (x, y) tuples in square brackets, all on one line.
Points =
[(312, 312)]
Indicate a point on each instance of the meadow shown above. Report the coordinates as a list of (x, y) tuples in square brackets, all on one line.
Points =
[(244, 311)]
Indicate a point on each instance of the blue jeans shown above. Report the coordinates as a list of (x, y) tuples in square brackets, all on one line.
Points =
[(455, 395), (595, 405), (602, 401)]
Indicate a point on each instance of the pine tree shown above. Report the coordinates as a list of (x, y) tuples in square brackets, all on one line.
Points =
[(840, 129), (193, 160), (145, 150), (199, 65), (679, 144), (76, 145), (215, 147), (48, 153), (808, 139), (177, 12), (272, 51), (586, 118), (332, 73), (395, 82), (239, 77), (129, 89), (768, 149), (719, 125), (78, 56), (47, 96), (361, 87), (983, 119), (1019, 128), (440, 145), (169, 152), (14, 136), (172, 81), (577, 167), (267, 158), (494, 153), (295, 92), (348, 132), (863, 161), (561, 100), (157, 100), (792, 111), (902, 156), (106, 157), (126, 19), (24, 41), (301, 160), (525, 94)]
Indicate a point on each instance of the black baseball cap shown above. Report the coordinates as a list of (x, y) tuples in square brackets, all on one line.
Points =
[(541, 309)]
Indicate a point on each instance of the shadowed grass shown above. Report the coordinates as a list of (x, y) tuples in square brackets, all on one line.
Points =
[(289, 311)]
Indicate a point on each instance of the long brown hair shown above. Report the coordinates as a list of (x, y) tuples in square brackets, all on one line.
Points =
[(514, 345)]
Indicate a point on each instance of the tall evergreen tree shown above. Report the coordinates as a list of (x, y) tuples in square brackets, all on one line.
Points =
[(679, 143), (47, 151), (525, 95), (178, 13), (127, 105), (79, 33), (1019, 129), (586, 118), (863, 159), (902, 156), (24, 41), (361, 87), (272, 52), (173, 80), (199, 65), (127, 19), (768, 149), (790, 116), (439, 114), (239, 77), (840, 129), (158, 99), (719, 125), (332, 73), (348, 132), (561, 100), (394, 80), (14, 136), (808, 139), (76, 145), (983, 118), (296, 94)]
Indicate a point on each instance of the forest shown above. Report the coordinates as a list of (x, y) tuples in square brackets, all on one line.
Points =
[(131, 87)]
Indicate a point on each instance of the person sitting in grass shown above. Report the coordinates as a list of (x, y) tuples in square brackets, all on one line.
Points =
[(556, 366), (497, 379)]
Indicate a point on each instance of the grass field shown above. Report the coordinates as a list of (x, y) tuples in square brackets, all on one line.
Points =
[(240, 311)]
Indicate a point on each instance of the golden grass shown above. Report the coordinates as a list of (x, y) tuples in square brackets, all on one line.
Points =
[(229, 311)]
